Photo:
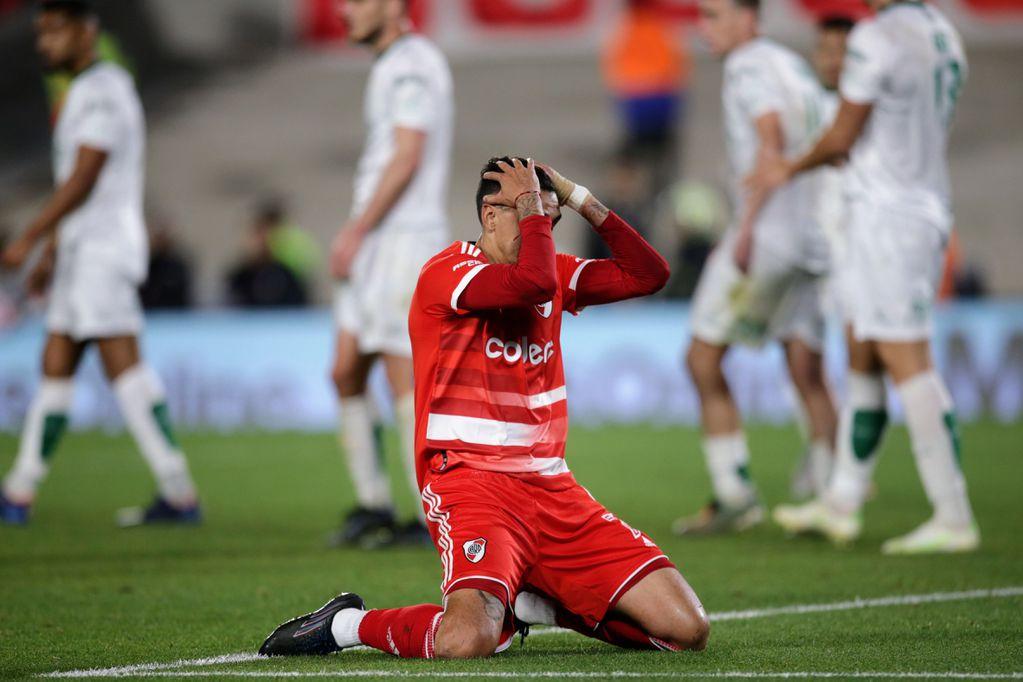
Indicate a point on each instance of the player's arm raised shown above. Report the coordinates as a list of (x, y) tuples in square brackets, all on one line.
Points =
[(634, 268), (397, 176), (69, 196), (532, 278)]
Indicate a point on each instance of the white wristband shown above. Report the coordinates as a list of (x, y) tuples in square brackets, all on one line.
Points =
[(577, 198)]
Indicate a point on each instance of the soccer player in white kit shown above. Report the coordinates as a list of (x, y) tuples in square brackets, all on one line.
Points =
[(764, 279), (398, 222), (814, 471), (93, 224), (902, 76)]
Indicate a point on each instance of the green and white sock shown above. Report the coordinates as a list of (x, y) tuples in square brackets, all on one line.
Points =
[(861, 427), (934, 434), (44, 425), (361, 446), (405, 416), (140, 396), (728, 463)]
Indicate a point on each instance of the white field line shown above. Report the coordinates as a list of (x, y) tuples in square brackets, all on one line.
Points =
[(172, 669), (560, 674)]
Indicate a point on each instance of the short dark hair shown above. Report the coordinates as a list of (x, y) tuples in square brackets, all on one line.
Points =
[(491, 186), (76, 9), (836, 22), (748, 4)]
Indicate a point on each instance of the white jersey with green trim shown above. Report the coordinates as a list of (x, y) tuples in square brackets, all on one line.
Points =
[(909, 63), (762, 77)]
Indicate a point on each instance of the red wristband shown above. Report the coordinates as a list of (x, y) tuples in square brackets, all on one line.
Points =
[(528, 191)]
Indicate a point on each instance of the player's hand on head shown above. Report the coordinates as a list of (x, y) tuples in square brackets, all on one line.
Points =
[(516, 179), (563, 187)]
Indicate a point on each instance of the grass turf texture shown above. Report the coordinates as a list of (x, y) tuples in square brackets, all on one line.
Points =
[(75, 592)]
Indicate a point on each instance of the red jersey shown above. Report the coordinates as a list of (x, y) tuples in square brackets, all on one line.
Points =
[(486, 345)]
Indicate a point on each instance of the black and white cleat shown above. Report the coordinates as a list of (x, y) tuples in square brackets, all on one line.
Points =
[(310, 635)]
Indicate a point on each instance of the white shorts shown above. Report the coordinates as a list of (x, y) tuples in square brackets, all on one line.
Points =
[(895, 266), (776, 299), (93, 297), (373, 303)]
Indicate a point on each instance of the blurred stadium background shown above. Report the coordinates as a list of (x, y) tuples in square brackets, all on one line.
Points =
[(254, 114)]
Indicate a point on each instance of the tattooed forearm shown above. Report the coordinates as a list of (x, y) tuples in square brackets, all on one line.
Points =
[(492, 606), (594, 211), (528, 204)]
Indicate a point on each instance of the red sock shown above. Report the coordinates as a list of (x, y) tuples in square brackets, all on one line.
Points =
[(406, 632), (616, 630)]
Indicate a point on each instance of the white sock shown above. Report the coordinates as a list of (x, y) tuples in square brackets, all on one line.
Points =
[(728, 463), (930, 418), (345, 627), (822, 460), (405, 415), (44, 424), (140, 396), (861, 426), (533, 609), (365, 464)]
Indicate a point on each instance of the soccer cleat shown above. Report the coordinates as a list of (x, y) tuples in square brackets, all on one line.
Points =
[(716, 518), (412, 534), (14, 514), (310, 635), (934, 537), (366, 528), (159, 512), (817, 517)]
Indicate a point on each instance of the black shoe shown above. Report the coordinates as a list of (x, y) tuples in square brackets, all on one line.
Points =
[(413, 534), (310, 635), (159, 512), (367, 528)]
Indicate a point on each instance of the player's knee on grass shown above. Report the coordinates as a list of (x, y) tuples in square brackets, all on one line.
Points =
[(471, 625), (666, 607)]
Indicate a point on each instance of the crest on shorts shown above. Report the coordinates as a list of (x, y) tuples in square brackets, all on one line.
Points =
[(475, 549), (545, 309)]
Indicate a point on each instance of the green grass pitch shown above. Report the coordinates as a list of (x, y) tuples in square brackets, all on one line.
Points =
[(76, 593)]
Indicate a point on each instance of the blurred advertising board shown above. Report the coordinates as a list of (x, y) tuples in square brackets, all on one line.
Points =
[(236, 370), (581, 25)]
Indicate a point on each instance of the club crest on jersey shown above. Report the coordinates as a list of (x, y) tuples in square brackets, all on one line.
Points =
[(545, 308), (475, 549)]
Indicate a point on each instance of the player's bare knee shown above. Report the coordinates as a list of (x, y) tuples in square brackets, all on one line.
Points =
[(688, 632), (464, 640), (695, 633)]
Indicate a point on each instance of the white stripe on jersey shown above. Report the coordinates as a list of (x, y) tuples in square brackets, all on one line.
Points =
[(480, 431), (574, 282), (464, 283)]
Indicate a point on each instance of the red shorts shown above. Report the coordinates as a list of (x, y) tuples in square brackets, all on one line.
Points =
[(502, 533)]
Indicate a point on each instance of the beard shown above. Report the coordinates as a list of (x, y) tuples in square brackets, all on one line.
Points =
[(370, 38)]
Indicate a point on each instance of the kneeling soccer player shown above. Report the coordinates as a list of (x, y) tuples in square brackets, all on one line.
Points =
[(519, 538)]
